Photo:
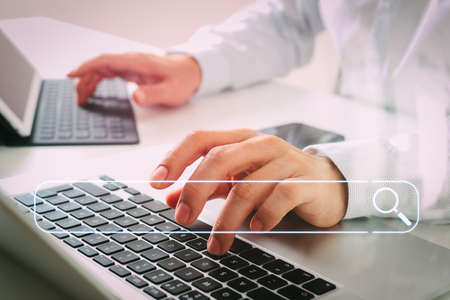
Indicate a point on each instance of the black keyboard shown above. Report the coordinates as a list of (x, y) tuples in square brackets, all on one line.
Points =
[(107, 119), (139, 240)]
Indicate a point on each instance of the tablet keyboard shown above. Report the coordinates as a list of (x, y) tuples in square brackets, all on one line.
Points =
[(107, 118), (137, 238)]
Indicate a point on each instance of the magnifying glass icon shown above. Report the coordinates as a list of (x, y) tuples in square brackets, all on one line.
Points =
[(400, 215)]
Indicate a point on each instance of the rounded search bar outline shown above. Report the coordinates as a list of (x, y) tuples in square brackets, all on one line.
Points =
[(400, 215), (184, 181)]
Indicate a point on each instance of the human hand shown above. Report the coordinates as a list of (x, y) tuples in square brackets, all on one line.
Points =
[(166, 80), (249, 155)]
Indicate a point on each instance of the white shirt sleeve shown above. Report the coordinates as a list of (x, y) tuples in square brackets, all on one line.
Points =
[(262, 41)]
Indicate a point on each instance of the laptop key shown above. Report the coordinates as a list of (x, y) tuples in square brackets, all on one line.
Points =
[(239, 245), (242, 284), (106, 178), (188, 274), (169, 214), (110, 248), (111, 198), (60, 235), (170, 246), (103, 260), (226, 294), (125, 221), (257, 256), (91, 188), (136, 281), (119, 271), (28, 199), (95, 239), (141, 266), (43, 208), (152, 220), (193, 295), (123, 238), (167, 226), (205, 264), (132, 191), (138, 212), (234, 262), (111, 214), (297, 276), (223, 274), (319, 286), (216, 257), (155, 238), (157, 276), (67, 223), (154, 255), (272, 282), (109, 229), (198, 244), (156, 206), (141, 198), (73, 242), (88, 251), (175, 287), (187, 255), (57, 200), (46, 225), (207, 284), (98, 207), (69, 206), (253, 272), (95, 221), (85, 200), (138, 246), (124, 205), (82, 214), (263, 293), (125, 257), (73, 193), (111, 187), (293, 292), (55, 216), (171, 264), (45, 193), (154, 292), (278, 266), (140, 229), (182, 237), (80, 231)]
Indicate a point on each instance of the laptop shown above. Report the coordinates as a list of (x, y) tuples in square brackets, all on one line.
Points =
[(109, 237), (36, 111)]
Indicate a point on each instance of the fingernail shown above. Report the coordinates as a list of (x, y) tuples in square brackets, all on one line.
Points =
[(139, 96), (160, 173), (256, 224), (213, 245), (183, 213)]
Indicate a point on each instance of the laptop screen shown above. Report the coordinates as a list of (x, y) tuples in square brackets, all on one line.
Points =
[(19, 86)]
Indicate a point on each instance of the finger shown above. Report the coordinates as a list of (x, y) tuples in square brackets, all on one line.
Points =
[(86, 86), (107, 65), (222, 162), (243, 198), (285, 196), (152, 94), (193, 147), (221, 192)]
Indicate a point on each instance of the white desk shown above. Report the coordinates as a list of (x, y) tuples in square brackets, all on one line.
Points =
[(55, 48)]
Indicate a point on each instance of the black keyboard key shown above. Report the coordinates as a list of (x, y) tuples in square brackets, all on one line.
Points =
[(152, 220), (169, 214), (123, 238), (46, 225), (216, 257), (263, 293), (88, 251), (69, 206), (157, 276), (138, 246), (125, 221), (138, 212), (257, 256), (95, 221), (154, 292), (91, 188), (182, 237), (119, 271), (73, 242), (198, 244), (43, 208), (57, 200), (297, 276), (73, 193), (187, 255), (223, 274), (95, 239), (171, 264), (234, 262), (80, 231), (82, 214), (272, 282), (68, 223), (112, 214), (55, 216), (242, 284), (132, 191), (205, 264), (141, 198), (28, 199), (109, 229), (140, 229), (319, 286), (253, 272), (188, 274), (86, 200), (155, 238), (45, 193), (239, 245), (60, 235), (110, 248), (103, 260), (170, 246), (193, 295), (111, 198), (106, 178), (175, 287), (226, 294), (98, 207), (136, 281), (278, 266), (124, 205), (207, 284), (110, 187), (141, 266), (125, 257), (155, 254), (293, 292), (156, 206)]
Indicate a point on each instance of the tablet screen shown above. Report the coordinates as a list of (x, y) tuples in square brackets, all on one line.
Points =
[(19, 87)]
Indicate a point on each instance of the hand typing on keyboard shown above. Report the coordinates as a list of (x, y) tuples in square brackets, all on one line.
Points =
[(245, 154), (167, 80)]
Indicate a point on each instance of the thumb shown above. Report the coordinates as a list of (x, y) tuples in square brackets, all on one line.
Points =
[(152, 94)]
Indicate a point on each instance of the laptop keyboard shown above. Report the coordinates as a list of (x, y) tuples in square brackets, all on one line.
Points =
[(137, 238), (107, 119)]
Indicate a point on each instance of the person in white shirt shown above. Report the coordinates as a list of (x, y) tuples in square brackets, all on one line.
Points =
[(394, 54)]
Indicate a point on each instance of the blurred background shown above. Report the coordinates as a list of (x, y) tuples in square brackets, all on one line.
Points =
[(164, 23)]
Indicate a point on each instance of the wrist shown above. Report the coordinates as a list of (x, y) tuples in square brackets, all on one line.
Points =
[(189, 69)]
